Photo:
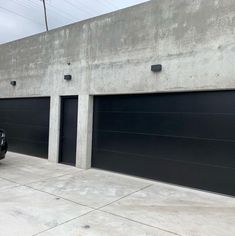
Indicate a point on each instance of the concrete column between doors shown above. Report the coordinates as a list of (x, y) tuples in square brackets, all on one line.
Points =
[(54, 130), (84, 134)]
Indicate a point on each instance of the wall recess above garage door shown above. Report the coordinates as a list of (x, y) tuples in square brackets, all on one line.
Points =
[(182, 138), (26, 122)]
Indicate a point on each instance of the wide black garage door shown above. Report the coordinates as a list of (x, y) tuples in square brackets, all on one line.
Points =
[(26, 122), (182, 138)]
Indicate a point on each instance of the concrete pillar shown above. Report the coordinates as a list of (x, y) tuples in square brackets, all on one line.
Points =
[(84, 135), (54, 130)]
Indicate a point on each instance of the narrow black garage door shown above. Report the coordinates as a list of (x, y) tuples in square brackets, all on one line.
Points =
[(181, 138), (68, 130), (26, 122)]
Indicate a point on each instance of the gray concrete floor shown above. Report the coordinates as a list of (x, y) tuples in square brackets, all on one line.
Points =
[(45, 199)]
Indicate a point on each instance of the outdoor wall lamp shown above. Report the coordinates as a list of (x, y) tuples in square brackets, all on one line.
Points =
[(156, 68), (13, 83), (67, 77)]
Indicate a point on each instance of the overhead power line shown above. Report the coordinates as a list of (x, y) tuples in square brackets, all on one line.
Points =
[(15, 13), (82, 7), (50, 9), (45, 14), (57, 10)]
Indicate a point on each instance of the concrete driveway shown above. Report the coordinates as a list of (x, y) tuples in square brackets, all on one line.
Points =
[(45, 199)]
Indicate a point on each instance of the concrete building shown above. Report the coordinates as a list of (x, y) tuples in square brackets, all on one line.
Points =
[(179, 125)]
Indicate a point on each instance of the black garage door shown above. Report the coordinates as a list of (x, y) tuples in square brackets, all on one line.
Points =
[(182, 138), (26, 122)]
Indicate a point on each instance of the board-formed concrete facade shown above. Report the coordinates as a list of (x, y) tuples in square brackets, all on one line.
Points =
[(194, 40)]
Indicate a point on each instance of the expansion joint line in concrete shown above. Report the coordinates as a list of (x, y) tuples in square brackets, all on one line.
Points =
[(99, 209)]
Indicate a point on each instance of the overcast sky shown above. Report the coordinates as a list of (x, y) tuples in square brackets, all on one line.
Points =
[(21, 18)]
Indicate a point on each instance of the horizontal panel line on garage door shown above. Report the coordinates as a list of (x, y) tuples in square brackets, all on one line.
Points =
[(160, 112), (136, 155), (26, 140), (24, 124), (168, 136), (22, 109)]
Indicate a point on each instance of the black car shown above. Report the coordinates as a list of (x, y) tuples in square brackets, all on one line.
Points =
[(3, 144)]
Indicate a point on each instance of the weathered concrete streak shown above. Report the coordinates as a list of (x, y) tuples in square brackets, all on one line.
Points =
[(54, 129), (84, 141)]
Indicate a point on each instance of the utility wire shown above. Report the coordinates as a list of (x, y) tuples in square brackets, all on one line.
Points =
[(85, 9), (45, 14), (109, 5), (68, 16), (51, 8), (15, 13), (58, 10)]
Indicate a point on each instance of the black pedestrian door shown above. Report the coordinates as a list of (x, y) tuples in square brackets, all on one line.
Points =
[(181, 138), (26, 122), (68, 130)]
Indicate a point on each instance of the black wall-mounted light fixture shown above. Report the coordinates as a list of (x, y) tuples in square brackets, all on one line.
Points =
[(67, 77), (156, 68), (13, 83)]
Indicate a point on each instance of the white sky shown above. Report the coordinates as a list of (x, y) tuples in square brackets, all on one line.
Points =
[(21, 18)]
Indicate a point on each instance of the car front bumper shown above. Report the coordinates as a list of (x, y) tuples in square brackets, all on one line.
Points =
[(3, 150)]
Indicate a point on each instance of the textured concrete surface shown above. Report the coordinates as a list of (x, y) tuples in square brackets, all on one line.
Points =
[(24, 211), (85, 123), (110, 54), (26, 170), (54, 129), (63, 200), (4, 184), (104, 224), (180, 210), (93, 188)]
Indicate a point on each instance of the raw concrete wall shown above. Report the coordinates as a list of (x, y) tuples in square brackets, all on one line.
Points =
[(194, 40)]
